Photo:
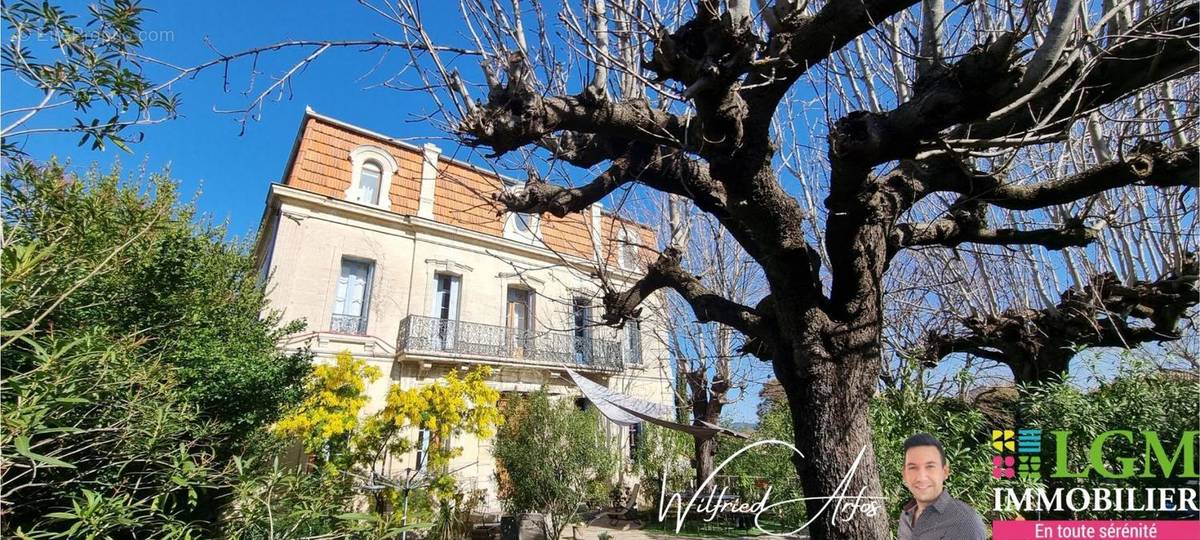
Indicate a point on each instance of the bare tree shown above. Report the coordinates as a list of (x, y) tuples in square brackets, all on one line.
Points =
[(713, 372), (931, 145), (1039, 344), (1002, 303)]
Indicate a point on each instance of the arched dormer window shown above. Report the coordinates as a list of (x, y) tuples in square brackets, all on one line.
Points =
[(368, 182), (627, 249), (371, 178), (525, 228)]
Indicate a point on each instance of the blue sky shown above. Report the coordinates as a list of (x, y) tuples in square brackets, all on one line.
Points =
[(203, 148), (229, 170), (206, 151)]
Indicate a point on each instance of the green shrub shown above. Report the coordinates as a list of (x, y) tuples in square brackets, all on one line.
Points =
[(137, 358), (96, 442), (661, 451), (132, 260), (573, 461)]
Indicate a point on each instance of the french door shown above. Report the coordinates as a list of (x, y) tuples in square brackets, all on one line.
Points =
[(520, 322), (352, 297), (445, 310)]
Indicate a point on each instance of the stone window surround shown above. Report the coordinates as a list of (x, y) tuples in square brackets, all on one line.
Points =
[(387, 164)]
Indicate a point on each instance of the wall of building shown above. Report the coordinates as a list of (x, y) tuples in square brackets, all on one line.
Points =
[(309, 228)]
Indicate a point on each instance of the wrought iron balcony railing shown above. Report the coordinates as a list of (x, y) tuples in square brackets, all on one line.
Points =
[(419, 334), (348, 324)]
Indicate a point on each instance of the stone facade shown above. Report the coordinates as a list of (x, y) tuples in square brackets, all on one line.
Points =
[(419, 274)]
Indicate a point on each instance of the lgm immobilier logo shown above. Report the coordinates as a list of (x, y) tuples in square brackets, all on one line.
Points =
[(1025, 453), (1112, 456), (1019, 454)]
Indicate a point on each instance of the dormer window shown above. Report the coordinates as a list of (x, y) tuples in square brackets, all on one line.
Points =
[(368, 183), (372, 168), (627, 249), (526, 228), (523, 227)]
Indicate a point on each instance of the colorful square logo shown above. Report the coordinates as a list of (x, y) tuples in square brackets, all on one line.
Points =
[(1018, 453), (1002, 440), (1002, 467), (1029, 467)]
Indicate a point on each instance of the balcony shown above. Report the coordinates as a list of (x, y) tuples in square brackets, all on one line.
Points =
[(429, 336), (347, 324)]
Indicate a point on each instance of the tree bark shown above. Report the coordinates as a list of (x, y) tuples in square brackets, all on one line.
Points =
[(707, 403), (706, 451), (1045, 367), (1038, 344), (829, 391)]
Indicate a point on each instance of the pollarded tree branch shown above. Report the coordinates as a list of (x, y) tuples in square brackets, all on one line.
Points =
[(705, 54), (513, 120), (517, 115), (861, 208), (708, 306), (967, 223), (584, 150), (1150, 164), (968, 90), (537, 196), (673, 172), (1038, 344), (664, 169), (952, 231), (801, 42), (1160, 48)]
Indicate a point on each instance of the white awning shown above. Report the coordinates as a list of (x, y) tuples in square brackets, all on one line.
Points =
[(628, 410)]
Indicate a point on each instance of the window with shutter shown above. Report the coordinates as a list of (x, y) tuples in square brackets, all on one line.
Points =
[(352, 297), (583, 343), (633, 341), (445, 309)]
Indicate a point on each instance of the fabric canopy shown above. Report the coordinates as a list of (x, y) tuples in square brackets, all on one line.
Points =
[(628, 410)]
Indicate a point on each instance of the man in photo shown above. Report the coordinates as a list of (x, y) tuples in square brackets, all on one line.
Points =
[(933, 514)]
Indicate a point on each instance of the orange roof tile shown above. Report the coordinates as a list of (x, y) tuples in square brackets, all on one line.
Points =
[(321, 164)]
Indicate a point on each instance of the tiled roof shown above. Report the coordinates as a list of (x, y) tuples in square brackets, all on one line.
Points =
[(463, 197)]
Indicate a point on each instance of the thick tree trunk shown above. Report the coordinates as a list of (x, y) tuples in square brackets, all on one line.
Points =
[(706, 407), (706, 452), (1031, 370), (828, 394)]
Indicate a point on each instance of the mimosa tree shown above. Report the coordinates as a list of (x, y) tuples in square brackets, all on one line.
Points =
[(332, 426)]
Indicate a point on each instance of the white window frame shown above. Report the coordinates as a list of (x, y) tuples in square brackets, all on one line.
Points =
[(534, 235), (387, 165), (368, 290), (455, 294), (514, 340), (444, 332), (421, 461), (531, 303), (511, 231), (627, 249), (633, 355)]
